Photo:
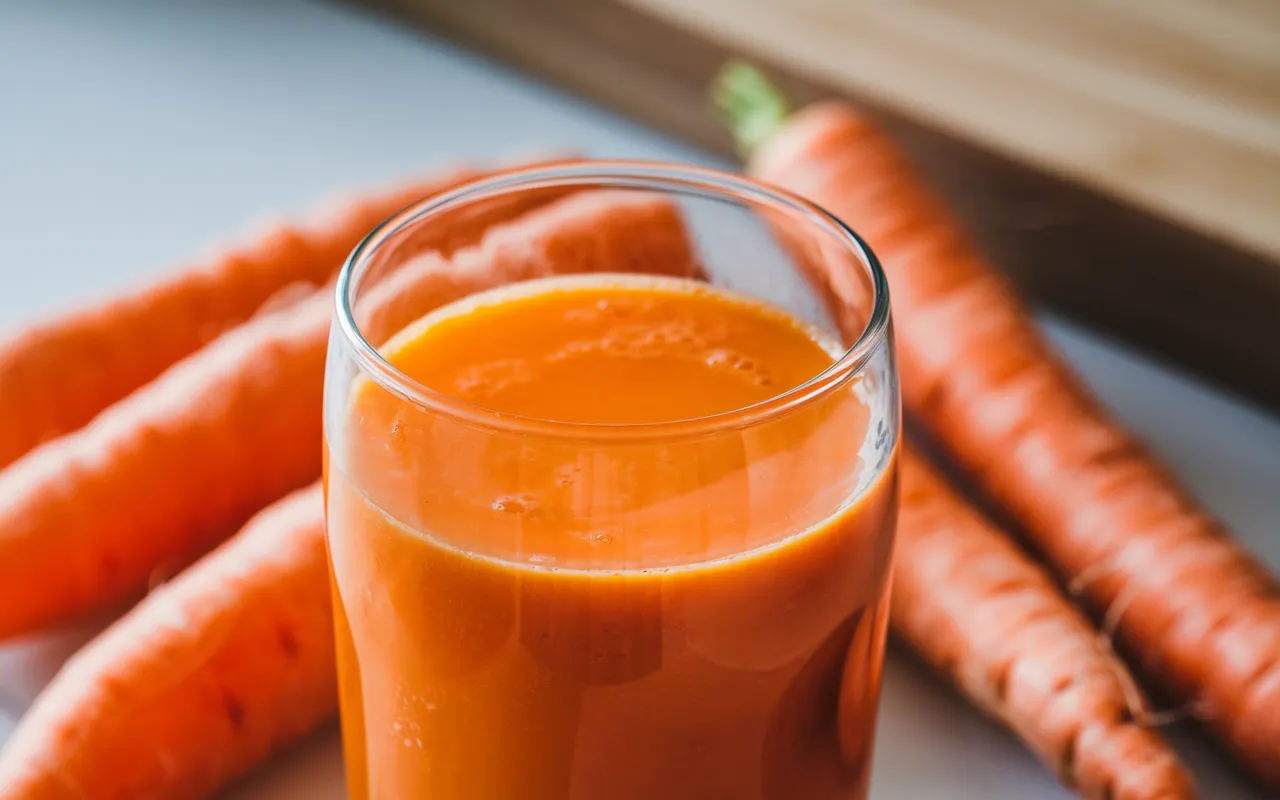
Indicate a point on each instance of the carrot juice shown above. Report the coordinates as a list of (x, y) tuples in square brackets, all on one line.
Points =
[(617, 565)]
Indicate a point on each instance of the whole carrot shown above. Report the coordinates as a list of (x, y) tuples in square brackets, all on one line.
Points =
[(57, 375), (976, 609), (88, 519), (204, 679), (1198, 613)]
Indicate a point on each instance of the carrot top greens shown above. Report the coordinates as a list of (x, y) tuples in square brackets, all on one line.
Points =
[(750, 105)]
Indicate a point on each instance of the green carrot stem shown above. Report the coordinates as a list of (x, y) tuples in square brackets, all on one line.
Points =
[(752, 108)]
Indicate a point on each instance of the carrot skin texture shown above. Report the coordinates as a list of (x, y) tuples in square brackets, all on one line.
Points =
[(87, 520), (980, 612), (1198, 614), (57, 375), (203, 680)]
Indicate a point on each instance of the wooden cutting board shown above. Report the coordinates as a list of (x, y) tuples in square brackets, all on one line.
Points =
[(1172, 105), (1120, 160)]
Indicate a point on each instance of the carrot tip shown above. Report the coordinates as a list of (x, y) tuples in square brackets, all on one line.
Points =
[(751, 107)]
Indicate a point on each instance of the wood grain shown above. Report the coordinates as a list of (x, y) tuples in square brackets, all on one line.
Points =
[(1179, 294), (1173, 106)]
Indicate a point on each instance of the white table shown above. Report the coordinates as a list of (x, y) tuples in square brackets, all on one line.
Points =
[(133, 134)]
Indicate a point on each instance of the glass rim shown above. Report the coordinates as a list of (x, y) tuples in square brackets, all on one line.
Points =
[(687, 180)]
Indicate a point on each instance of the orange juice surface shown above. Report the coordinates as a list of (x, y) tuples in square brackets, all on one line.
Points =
[(537, 612)]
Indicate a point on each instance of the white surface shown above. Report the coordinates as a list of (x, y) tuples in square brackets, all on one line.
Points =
[(134, 134)]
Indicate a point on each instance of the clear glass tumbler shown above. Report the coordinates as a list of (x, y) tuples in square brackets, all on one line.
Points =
[(541, 608)]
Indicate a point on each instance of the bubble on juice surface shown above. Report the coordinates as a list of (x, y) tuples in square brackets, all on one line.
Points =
[(737, 363), (486, 380), (593, 533), (637, 340), (606, 308), (522, 503), (574, 349)]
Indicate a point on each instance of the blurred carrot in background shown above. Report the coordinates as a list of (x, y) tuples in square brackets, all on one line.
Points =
[(1199, 615), (87, 520), (57, 375)]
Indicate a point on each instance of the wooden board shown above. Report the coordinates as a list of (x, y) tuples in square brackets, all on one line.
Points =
[(1173, 289), (1171, 105)]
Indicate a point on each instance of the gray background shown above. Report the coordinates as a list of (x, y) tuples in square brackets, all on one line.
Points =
[(134, 135)]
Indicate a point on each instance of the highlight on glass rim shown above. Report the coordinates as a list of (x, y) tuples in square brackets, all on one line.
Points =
[(529, 400)]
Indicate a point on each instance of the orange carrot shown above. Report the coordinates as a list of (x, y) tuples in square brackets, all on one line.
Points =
[(1198, 614), (157, 479), (57, 375), (204, 679), (977, 610)]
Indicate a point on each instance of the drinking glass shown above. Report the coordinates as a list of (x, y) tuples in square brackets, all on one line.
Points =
[(510, 621)]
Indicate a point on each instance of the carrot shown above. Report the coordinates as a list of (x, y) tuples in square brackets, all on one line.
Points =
[(57, 375), (1197, 613), (87, 519), (980, 612), (209, 675)]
